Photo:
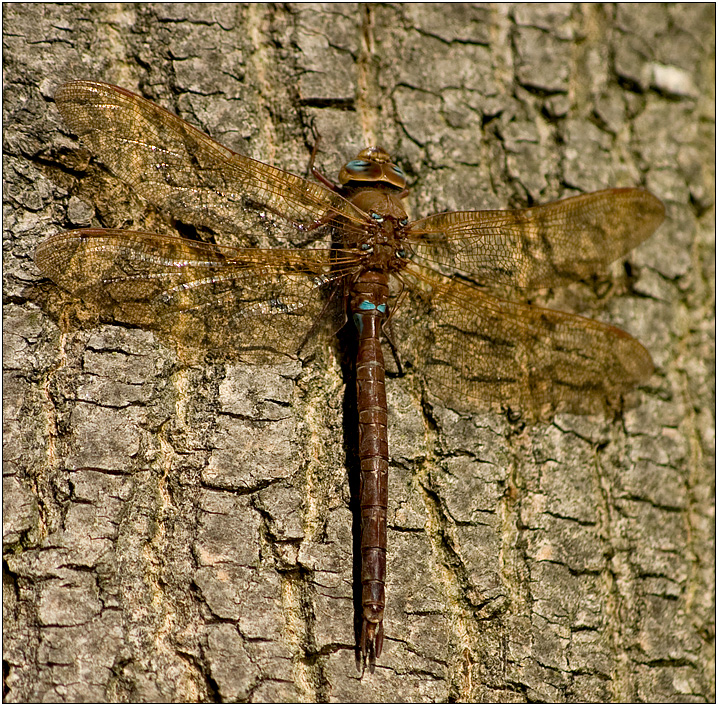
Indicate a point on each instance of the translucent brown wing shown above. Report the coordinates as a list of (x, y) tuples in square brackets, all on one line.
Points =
[(542, 246), (255, 304), (190, 176), (477, 352)]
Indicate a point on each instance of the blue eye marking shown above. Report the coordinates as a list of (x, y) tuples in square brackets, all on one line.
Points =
[(358, 164)]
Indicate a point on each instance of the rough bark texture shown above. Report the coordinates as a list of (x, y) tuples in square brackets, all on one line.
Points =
[(181, 531)]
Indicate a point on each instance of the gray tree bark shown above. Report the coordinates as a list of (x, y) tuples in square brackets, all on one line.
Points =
[(180, 530)]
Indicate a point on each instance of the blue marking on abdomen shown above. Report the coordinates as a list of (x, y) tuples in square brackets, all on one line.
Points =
[(366, 306), (359, 322)]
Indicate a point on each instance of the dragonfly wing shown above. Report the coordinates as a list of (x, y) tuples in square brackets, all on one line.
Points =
[(542, 246), (479, 353), (257, 305), (190, 176)]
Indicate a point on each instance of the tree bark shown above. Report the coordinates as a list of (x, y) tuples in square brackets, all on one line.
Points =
[(180, 530)]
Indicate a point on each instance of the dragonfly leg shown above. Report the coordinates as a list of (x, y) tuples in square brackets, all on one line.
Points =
[(326, 181), (386, 331)]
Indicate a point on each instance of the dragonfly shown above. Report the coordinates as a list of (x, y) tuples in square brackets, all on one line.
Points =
[(307, 257)]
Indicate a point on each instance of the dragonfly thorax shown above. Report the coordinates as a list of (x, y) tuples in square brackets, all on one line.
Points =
[(383, 247), (381, 205), (384, 257)]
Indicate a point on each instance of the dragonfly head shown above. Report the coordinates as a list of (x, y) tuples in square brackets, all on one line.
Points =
[(372, 165)]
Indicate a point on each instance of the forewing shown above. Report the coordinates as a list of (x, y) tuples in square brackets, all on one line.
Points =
[(542, 246), (477, 352), (186, 173), (256, 305)]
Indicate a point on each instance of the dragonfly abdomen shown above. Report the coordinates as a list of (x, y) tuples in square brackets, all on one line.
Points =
[(368, 305)]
